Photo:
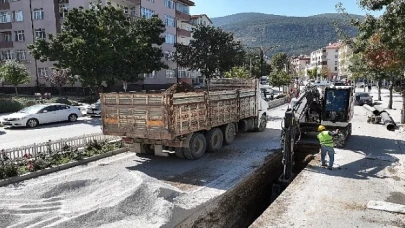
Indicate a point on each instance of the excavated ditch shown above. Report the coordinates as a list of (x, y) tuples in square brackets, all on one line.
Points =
[(243, 204)]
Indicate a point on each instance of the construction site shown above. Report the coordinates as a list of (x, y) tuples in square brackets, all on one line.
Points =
[(266, 175)]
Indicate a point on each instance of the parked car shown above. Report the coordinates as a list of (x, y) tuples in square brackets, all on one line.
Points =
[(42, 113), (362, 98), (94, 109)]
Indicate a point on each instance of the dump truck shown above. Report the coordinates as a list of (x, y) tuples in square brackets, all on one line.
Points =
[(185, 121)]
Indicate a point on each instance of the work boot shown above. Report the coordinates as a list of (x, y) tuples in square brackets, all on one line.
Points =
[(323, 165), (330, 168)]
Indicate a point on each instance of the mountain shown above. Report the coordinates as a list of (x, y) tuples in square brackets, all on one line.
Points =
[(294, 35)]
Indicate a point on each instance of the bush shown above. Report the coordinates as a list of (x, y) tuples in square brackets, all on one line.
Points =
[(8, 105), (61, 100), (89, 100)]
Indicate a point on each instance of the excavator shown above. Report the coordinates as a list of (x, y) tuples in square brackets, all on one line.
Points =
[(330, 106)]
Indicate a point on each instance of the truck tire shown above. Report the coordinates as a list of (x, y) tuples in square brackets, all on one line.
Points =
[(197, 147), (215, 139), (179, 152), (148, 149), (262, 124), (229, 132)]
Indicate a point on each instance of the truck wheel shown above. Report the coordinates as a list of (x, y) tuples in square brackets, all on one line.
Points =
[(148, 149), (229, 132), (197, 147), (262, 124), (179, 152), (215, 139)]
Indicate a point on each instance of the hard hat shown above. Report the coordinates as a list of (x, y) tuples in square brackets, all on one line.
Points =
[(321, 128)]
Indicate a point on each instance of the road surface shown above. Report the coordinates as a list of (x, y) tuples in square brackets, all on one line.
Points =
[(127, 190), (16, 137)]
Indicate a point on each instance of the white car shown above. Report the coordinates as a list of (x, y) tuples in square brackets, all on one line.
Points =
[(42, 113), (94, 109)]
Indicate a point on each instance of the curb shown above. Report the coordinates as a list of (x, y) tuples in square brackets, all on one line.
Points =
[(46, 171)]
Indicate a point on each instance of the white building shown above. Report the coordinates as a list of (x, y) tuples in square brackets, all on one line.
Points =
[(345, 54), (325, 59), (299, 64)]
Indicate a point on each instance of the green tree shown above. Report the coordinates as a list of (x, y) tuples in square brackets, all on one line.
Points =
[(237, 72), (253, 63), (101, 43), (14, 73), (279, 78), (312, 73), (325, 73), (59, 78), (279, 61), (212, 51)]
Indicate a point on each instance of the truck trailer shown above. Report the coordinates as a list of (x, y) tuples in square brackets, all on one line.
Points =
[(185, 122)]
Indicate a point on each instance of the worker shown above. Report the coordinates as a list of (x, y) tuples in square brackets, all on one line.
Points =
[(326, 140)]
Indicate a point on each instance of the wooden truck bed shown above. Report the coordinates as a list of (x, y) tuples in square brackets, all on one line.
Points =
[(166, 115)]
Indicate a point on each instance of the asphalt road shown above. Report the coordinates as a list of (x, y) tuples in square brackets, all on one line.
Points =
[(16, 137)]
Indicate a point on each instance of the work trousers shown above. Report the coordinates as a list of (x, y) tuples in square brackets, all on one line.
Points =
[(331, 154)]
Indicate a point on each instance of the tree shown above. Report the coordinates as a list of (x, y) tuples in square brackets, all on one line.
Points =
[(390, 25), (100, 43), (279, 61), (237, 72), (279, 78), (212, 51), (14, 73), (326, 73), (253, 63), (59, 77), (312, 73)]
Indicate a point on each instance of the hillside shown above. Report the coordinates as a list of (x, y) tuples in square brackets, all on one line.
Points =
[(294, 35)]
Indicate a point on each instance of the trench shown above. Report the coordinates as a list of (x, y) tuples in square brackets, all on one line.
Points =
[(243, 204)]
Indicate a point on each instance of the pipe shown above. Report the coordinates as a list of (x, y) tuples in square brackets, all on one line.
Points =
[(385, 117)]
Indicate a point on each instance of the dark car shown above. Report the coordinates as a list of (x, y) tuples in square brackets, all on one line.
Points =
[(362, 98)]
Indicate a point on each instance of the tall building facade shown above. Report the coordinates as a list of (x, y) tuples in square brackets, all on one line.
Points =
[(21, 21)]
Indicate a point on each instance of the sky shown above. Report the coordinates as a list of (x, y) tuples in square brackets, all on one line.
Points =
[(219, 8)]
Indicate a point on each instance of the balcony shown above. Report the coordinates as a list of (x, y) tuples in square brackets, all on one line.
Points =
[(183, 33), (137, 2), (7, 25), (182, 16), (6, 44), (5, 6)]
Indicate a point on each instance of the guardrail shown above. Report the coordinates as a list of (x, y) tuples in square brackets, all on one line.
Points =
[(57, 145), (277, 102)]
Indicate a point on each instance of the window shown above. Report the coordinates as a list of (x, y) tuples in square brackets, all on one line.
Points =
[(149, 75), (19, 35), (42, 72), (147, 13), (169, 73), (38, 14), (336, 62), (40, 33), (151, 0), (133, 11), (63, 8), (7, 55), (169, 21), (126, 10), (18, 16), (336, 69), (6, 37), (21, 55), (5, 17), (182, 8), (336, 56), (170, 38), (183, 73), (169, 4)]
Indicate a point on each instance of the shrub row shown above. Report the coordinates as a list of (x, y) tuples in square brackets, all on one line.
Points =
[(10, 168)]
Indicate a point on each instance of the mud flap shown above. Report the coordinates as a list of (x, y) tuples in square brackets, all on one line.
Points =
[(159, 151)]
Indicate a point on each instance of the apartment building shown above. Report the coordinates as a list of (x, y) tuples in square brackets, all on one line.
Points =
[(326, 57), (21, 21), (298, 64), (345, 54), (184, 36)]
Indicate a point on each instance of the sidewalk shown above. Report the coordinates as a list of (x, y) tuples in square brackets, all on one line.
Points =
[(369, 168)]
